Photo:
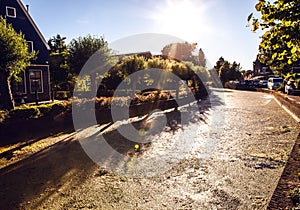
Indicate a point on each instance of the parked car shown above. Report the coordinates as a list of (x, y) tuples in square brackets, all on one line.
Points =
[(248, 83), (255, 82), (292, 87), (263, 83), (274, 82)]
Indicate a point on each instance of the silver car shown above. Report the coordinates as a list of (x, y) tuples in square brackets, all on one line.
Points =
[(274, 82)]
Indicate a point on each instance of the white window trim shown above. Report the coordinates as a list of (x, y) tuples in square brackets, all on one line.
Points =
[(31, 45), (15, 13), (42, 83)]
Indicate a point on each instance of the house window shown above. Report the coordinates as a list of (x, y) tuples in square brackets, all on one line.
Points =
[(36, 81), (11, 12), (30, 46)]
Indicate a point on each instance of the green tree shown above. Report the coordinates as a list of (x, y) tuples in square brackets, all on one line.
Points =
[(58, 61), (92, 48), (280, 44), (82, 48), (14, 58), (185, 52), (181, 51), (128, 65), (57, 44), (201, 58), (228, 71)]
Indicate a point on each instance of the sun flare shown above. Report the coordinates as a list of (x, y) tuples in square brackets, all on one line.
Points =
[(182, 18)]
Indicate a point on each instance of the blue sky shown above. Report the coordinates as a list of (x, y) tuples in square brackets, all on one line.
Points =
[(218, 26)]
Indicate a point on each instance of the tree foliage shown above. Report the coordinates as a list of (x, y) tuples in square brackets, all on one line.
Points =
[(180, 51), (185, 52), (15, 57), (132, 64), (57, 44), (280, 44), (58, 61), (201, 59), (82, 48), (228, 71)]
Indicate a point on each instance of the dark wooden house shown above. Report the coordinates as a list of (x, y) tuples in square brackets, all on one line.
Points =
[(35, 82), (259, 69)]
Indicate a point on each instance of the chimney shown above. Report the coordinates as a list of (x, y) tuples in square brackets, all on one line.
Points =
[(27, 7)]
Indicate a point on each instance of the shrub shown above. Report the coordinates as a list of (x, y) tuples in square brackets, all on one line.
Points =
[(65, 106), (24, 112), (62, 95), (295, 196), (35, 111), (3, 115), (45, 108)]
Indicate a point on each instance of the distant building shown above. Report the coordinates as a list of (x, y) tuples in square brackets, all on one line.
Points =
[(259, 69), (36, 78)]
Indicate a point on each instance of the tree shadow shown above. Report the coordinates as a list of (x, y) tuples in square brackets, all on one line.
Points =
[(43, 173), (157, 121), (65, 164), (32, 130)]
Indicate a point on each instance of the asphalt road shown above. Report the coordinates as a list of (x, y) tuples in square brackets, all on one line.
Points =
[(227, 153)]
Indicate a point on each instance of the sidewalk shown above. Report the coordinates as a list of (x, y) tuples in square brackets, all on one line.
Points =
[(290, 103), (289, 178)]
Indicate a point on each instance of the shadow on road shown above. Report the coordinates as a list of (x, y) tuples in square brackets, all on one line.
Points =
[(39, 177), (65, 165), (28, 132)]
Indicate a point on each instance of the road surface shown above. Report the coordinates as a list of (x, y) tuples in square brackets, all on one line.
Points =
[(238, 151)]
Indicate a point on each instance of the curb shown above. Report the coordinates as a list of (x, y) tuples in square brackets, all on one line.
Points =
[(288, 180), (289, 177), (289, 104)]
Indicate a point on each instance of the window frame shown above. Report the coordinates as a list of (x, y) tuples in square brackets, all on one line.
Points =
[(7, 13), (31, 44), (41, 80)]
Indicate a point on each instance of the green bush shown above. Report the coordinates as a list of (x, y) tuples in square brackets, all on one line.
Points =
[(54, 108), (58, 107), (295, 196), (35, 111), (24, 112), (62, 95), (3, 115), (45, 108)]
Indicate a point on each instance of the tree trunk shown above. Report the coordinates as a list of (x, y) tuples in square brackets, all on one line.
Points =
[(6, 99)]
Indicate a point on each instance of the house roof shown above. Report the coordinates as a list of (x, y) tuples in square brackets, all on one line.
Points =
[(33, 24)]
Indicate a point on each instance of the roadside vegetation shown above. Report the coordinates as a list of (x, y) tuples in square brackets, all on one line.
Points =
[(14, 58), (279, 48)]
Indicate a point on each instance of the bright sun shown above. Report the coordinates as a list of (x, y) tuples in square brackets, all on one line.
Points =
[(181, 18)]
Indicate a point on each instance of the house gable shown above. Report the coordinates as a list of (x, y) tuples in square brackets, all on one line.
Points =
[(35, 84), (22, 21)]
